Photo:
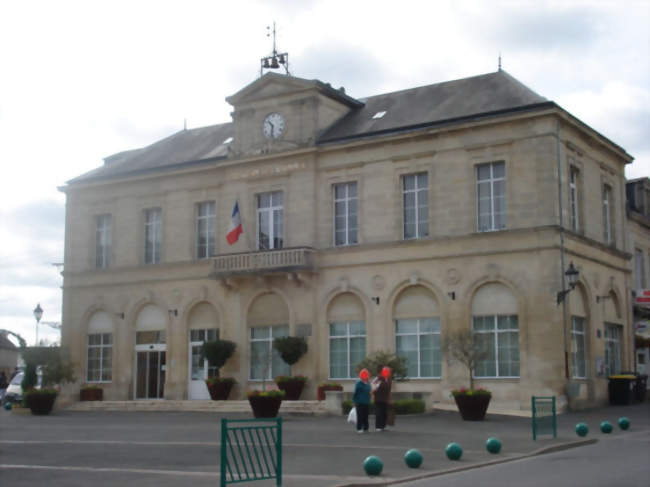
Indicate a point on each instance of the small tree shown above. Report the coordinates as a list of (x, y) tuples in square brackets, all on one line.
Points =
[(291, 349), (217, 352), (460, 346), (376, 360)]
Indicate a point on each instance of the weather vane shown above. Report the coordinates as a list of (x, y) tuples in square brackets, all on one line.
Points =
[(275, 59)]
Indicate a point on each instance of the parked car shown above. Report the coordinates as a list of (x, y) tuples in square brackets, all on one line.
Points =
[(14, 392)]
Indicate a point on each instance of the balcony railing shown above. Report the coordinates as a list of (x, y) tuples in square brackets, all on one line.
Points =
[(262, 262)]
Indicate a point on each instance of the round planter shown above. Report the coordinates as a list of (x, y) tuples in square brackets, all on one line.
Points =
[(219, 391), (265, 407), (474, 407), (40, 404), (292, 389), (322, 389), (91, 394)]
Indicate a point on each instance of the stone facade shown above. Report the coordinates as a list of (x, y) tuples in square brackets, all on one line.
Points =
[(453, 274)]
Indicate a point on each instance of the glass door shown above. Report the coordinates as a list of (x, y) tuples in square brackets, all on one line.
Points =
[(199, 369), (151, 365)]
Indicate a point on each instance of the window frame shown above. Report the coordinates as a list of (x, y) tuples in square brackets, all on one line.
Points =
[(272, 216), (420, 334), (205, 334), (608, 217), (639, 269), (613, 343), (347, 337), (103, 240), (210, 220), (496, 331), (575, 336), (347, 230), (417, 191), (153, 227), (491, 180), (274, 352), (105, 353), (574, 198)]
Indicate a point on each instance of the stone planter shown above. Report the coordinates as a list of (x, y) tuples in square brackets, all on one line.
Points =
[(292, 388), (323, 389), (92, 394), (265, 406), (40, 402), (472, 407), (220, 390)]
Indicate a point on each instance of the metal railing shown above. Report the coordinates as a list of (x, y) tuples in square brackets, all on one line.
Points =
[(251, 452), (544, 416), (247, 262)]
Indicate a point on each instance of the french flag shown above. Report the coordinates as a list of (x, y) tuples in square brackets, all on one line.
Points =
[(235, 229)]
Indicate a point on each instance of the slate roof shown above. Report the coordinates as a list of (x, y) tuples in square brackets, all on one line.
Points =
[(448, 102), (6, 343)]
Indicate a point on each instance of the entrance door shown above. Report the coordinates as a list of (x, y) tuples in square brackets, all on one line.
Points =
[(199, 369), (150, 372)]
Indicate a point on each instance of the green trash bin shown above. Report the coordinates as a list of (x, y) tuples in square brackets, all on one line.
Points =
[(621, 389)]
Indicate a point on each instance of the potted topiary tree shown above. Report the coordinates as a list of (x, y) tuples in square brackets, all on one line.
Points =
[(291, 349), (460, 346), (217, 352), (265, 404), (55, 370)]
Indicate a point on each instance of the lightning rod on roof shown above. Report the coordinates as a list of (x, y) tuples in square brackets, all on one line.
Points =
[(275, 59)]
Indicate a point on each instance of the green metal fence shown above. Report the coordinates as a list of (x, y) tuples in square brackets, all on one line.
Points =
[(251, 449), (544, 416)]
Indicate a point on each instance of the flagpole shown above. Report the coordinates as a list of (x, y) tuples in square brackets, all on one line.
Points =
[(246, 233)]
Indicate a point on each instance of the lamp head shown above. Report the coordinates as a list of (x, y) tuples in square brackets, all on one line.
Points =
[(572, 275), (38, 312)]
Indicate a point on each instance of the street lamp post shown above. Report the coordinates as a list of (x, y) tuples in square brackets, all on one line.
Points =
[(572, 275), (38, 314)]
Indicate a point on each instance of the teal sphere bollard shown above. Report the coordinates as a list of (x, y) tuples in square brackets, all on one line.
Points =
[(623, 423), (373, 465), (413, 458), (606, 427), (582, 429), (493, 445), (7, 406), (454, 451)]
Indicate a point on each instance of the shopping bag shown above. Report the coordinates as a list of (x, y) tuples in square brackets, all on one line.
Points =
[(352, 416)]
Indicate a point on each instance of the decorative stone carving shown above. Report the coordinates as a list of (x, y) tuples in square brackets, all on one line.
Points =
[(378, 282), (176, 296), (453, 276), (344, 284), (414, 278)]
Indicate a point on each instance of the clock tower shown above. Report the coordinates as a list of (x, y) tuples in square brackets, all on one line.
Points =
[(281, 113)]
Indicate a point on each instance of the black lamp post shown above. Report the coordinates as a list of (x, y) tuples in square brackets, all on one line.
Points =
[(38, 314), (572, 275)]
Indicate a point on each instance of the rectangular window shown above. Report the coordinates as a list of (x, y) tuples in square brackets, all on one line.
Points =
[(347, 348), (578, 355), (498, 338), (612, 349), (491, 196), (269, 220), (345, 213), (197, 338), (418, 340), (103, 241), (265, 361), (206, 237), (639, 269), (415, 197), (100, 353), (152, 235), (574, 199), (608, 224)]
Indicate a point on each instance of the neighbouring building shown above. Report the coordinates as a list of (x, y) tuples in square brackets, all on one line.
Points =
[(9, 354), (638, 206), (377, 223)]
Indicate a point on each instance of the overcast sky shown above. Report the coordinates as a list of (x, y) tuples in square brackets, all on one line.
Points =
[(80, 81)]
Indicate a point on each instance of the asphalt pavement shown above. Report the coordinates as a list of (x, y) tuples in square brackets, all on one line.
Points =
[(176, 448)]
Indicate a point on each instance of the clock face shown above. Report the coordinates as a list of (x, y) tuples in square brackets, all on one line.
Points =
[(273, 126)]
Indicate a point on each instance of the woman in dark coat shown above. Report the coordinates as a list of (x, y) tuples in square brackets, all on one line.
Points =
[(361, 399)]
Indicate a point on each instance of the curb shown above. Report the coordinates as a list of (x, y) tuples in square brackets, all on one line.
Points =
[(438, 473)]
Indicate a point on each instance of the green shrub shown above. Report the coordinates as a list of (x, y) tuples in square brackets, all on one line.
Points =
[(401, 406), (271, 393), (290, 348), (217, 352), (290, 378), (29, 379), (377, 360)]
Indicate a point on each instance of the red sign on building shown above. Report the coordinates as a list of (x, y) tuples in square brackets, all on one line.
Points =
[(642, 297)]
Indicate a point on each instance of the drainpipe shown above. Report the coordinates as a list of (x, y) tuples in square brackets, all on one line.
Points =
[(562, 251)]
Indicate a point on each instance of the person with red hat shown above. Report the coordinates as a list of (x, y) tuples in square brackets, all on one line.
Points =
[(361, 399), (381, 387)]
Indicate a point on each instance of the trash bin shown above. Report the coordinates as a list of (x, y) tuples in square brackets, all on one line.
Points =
[(640, 387), (621, 388)]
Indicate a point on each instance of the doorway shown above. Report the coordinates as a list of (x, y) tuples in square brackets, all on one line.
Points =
[(150, 364), (199, 368)]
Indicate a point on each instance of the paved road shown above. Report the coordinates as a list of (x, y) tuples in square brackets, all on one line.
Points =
[(622, 460), (167, 449)]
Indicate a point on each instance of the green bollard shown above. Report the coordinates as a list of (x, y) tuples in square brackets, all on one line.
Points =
[(493, 445), (623, 423), (373, 465), (582, 429), (454, 451), (413, 458), (7, 406), (606, 427)]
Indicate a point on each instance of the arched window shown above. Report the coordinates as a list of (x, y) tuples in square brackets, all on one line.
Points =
[(99, 364), (268, 318), (495, 326), (417, 331), (347, 335)]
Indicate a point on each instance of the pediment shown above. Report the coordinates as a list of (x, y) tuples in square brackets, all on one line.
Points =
[(271, 85)]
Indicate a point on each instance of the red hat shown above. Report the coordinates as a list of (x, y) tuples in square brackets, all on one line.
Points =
[(364, 374), (385, 372)]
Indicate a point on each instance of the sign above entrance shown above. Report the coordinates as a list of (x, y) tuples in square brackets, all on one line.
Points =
[(642, 298)]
